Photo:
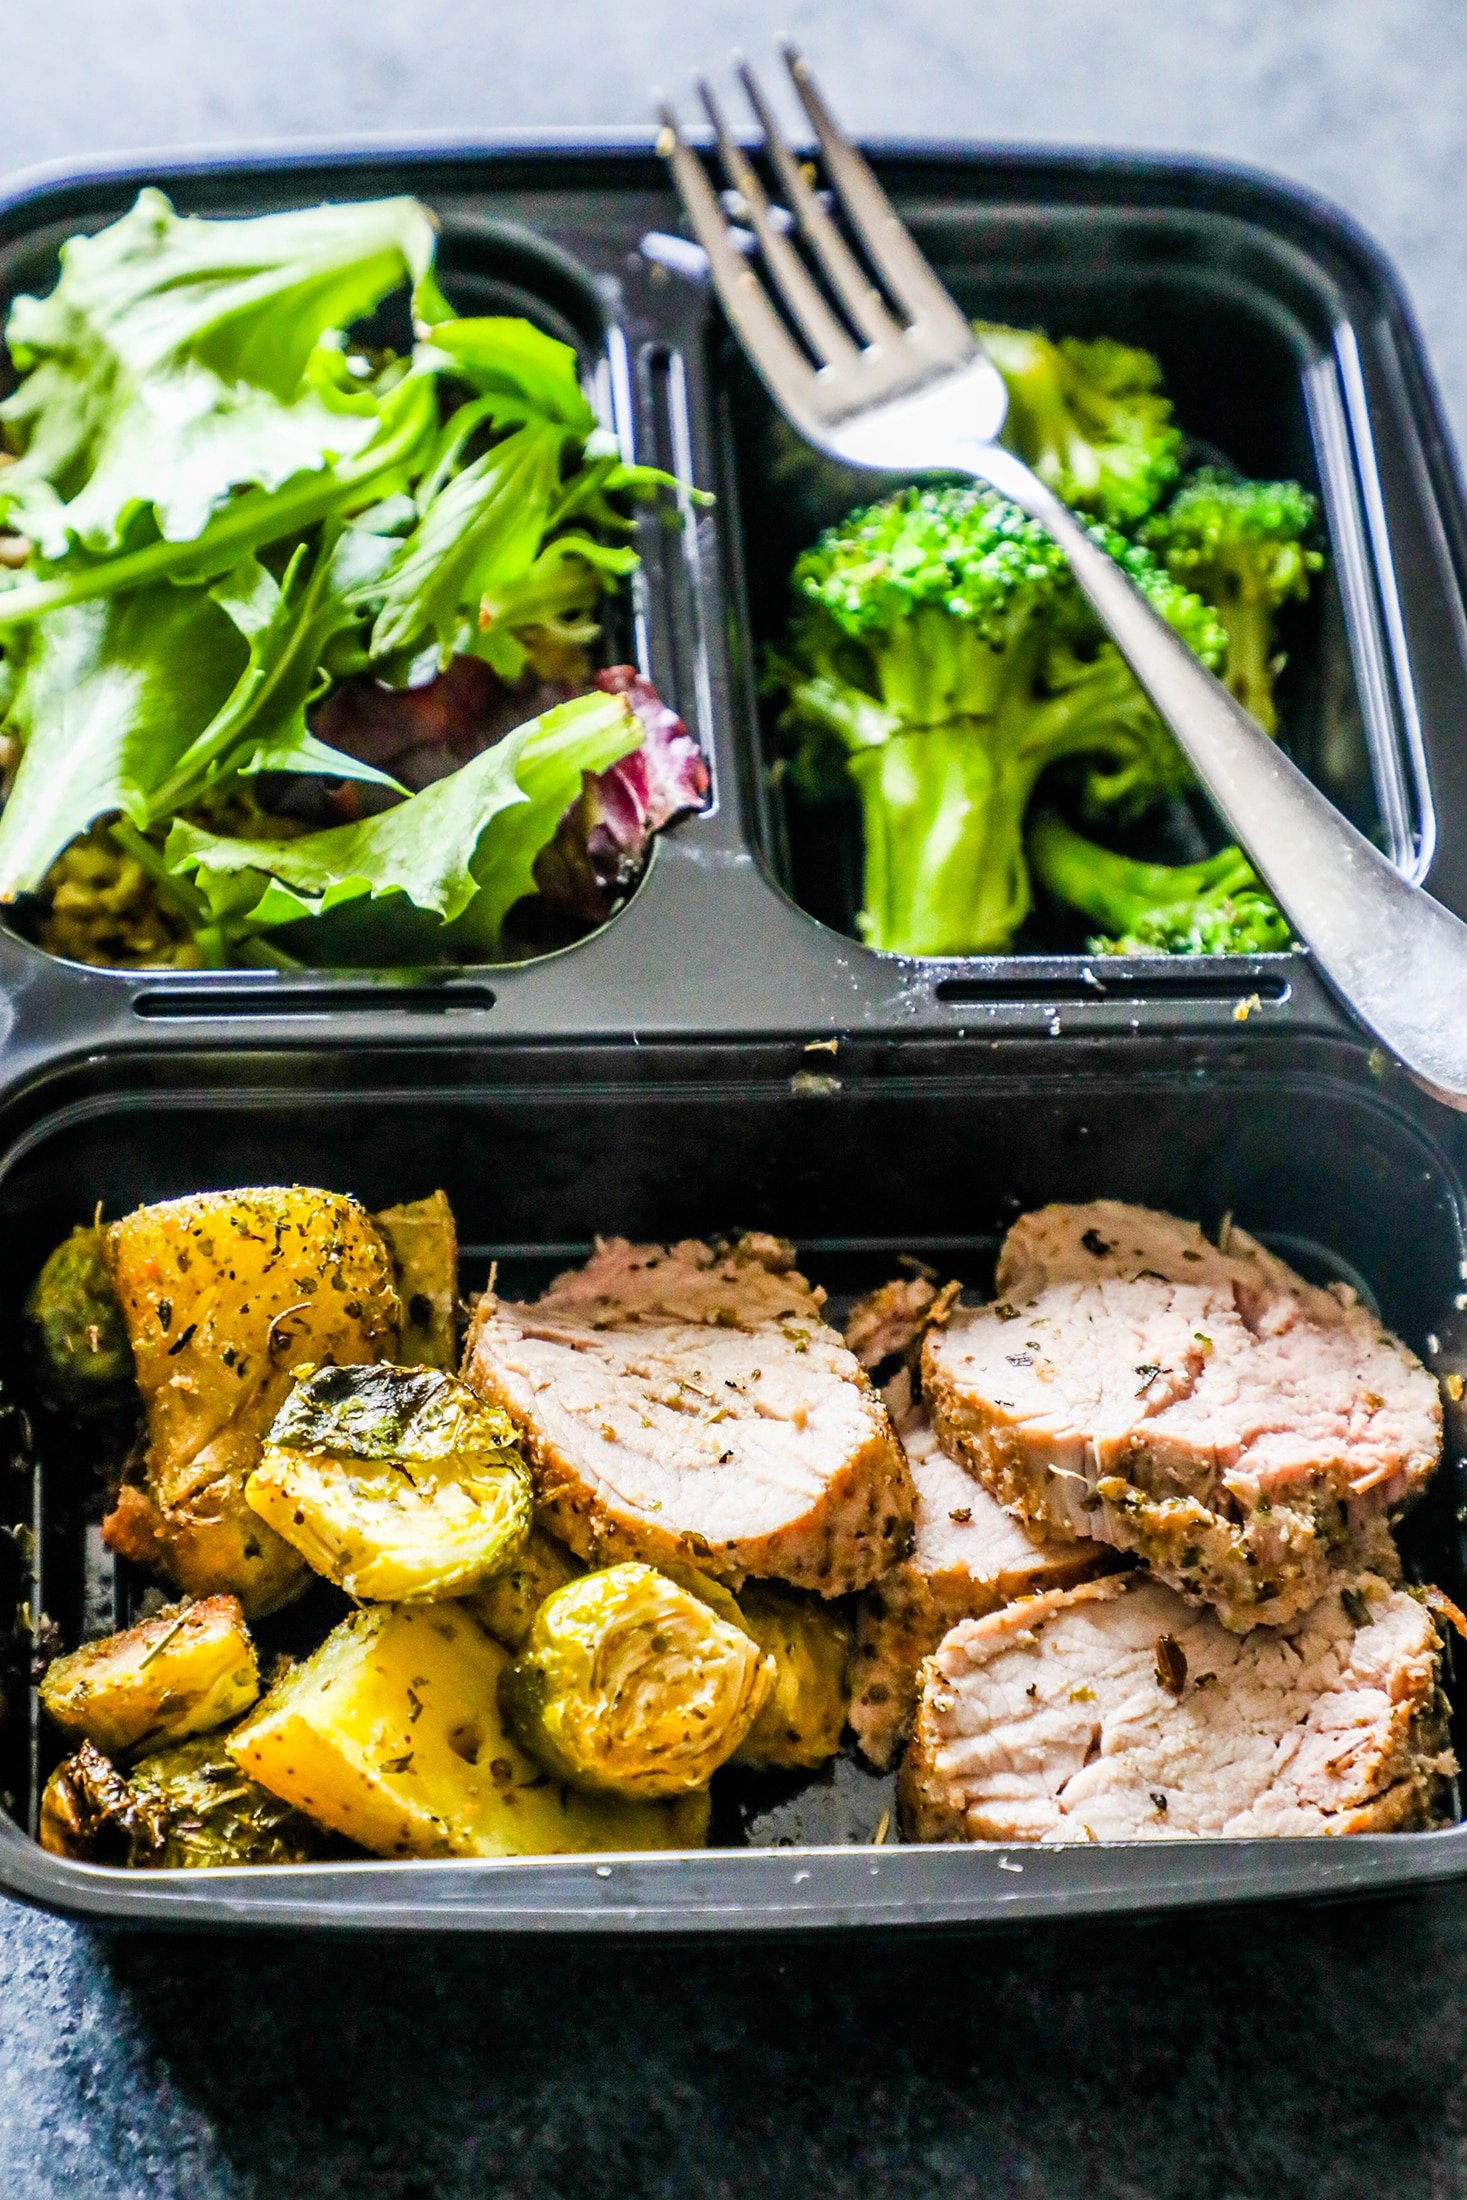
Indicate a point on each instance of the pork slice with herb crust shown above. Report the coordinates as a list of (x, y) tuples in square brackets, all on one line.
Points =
[(692, 1405), (1116, 1712), (1246, 1433), (968, 1555)]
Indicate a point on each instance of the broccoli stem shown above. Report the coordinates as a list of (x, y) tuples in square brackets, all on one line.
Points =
[(1249, 669), (1116, 891), (943, 810), (943, 806)]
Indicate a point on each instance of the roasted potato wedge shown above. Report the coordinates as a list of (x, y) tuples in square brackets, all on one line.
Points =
[(805, 1714), (397, 1483), (182, 1809), (77, 1335), (423, 1242), (632, 1684), (223, 1296), (213, 1538), (506, 1605), (188, 1668), (391, 1734)]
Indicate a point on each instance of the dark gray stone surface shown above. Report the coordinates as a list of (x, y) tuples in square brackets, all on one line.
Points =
[(1244, 2058), (1279, 2057)]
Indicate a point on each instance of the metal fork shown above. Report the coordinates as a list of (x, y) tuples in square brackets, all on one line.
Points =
[(891, 376)]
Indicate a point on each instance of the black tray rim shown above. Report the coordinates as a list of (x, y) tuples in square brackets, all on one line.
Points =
[(973, 1885)]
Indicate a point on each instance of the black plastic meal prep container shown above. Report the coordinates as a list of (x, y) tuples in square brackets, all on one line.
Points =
[(719, 1057)]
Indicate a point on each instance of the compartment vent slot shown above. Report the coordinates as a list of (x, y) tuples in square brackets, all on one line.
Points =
[(1040, 991), (187, 1003)]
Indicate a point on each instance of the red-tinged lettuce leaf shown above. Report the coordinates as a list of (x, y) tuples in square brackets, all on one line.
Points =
[(419, 734), (179, 360), (462, 851), (603, 841)]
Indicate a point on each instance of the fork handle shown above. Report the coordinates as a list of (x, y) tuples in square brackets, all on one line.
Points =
[(1396, 958)]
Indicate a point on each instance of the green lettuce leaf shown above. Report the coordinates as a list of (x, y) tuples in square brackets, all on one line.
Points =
[(465, 845), (406, 433), (521, 373), (108, 697), (557, 595), (288, 626), (482, 528), (178, 360), (233, 513), (140, 703)]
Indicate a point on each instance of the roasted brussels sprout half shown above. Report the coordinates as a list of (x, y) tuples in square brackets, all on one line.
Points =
[(181, 1809), (804, 1716), (423, 1241), (391, 1734), (631, 1683), (506, 1606), (224, 1295), (90, 1814), (77, 1334), (397, 1483), (213, 1814), (188, 1668)]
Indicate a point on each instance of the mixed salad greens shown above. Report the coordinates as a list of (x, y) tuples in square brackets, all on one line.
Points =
[(941, 666), (299, 631)]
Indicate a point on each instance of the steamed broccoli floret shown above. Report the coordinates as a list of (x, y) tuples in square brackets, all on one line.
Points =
[(1243, 545), (942, 649), (1219, 907), (1090, 418)]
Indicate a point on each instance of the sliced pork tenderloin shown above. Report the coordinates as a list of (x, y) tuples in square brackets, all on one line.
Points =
[(1117, 1712), (1246, 1433), (968, 1557), (885, 1328), (693, 1405)]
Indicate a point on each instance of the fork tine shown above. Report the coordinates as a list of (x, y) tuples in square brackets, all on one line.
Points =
[(754, 319), (827, 338), (871, 214), (843, 271)]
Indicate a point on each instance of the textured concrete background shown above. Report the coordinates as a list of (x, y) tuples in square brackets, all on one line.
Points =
[(1363, 99), (1293, 2054)]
